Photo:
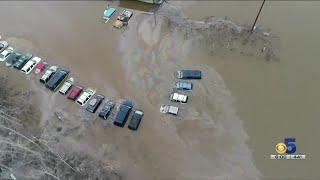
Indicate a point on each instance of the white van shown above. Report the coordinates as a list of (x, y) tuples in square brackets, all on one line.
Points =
[(6, 53), (66, 86), (176, 97), (168, 109), (85, 96), (30, 65)]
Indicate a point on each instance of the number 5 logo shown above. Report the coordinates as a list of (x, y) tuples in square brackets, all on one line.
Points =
[(291, 146)]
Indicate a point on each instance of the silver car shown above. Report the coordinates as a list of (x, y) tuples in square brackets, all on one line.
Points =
[(48, 74), (66, 86), (85, 96), (6, 53), (3, 45)]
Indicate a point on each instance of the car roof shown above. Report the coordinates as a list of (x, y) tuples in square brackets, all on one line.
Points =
[(41, 65), (36, 59), (109, 103), (108, 12), (140, 112), (93, 102), (173, 109), (5, 52), (77, 88)]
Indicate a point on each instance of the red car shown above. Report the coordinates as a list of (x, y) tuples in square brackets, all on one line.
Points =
[(40, 67), (75, 92)]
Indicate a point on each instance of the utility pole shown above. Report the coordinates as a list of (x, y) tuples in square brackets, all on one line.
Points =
[(255, 21)]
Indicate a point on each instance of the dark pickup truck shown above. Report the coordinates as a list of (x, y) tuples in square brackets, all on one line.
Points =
[(189, 74), (123, 113), (135, 120), (22, 61), (57, 79), (95, 102)]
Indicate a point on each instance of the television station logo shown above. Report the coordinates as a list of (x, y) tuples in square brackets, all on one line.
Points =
[(287, 150)]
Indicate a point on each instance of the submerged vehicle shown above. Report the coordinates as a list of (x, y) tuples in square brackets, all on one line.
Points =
[(14, 57), (123, 19), (85, 96), (108, 13), (30, 65), (48, 74), (95, 102), (106, 110), (168, 109), (183, 85), (66, 86), (40, 67), (189, 74), (152, 1), (3, 45), (123, 113), (135, 120), (22, 61), (176, 97), (57, 78), (6, 53), (125, 15), (75, 92)]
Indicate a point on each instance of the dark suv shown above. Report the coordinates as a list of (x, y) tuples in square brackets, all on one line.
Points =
[(123, 113), (57, 79), (95, 102), (135, 120), (189, 74), (22, 61)]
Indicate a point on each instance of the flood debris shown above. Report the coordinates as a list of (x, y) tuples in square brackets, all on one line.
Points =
[(59, 116), (219, 34)]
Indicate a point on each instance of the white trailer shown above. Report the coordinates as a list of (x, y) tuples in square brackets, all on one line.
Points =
[(167, 109), (176, 97)]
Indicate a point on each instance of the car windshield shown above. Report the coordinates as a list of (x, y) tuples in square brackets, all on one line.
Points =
[(106, 109)]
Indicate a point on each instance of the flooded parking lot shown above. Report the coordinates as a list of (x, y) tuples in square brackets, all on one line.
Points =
[(214, 136)]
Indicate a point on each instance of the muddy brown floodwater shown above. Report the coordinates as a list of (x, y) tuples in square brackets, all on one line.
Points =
[(208, 140)]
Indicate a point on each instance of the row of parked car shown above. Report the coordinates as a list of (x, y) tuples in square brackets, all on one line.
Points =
[(181, 86), (55, 78)]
